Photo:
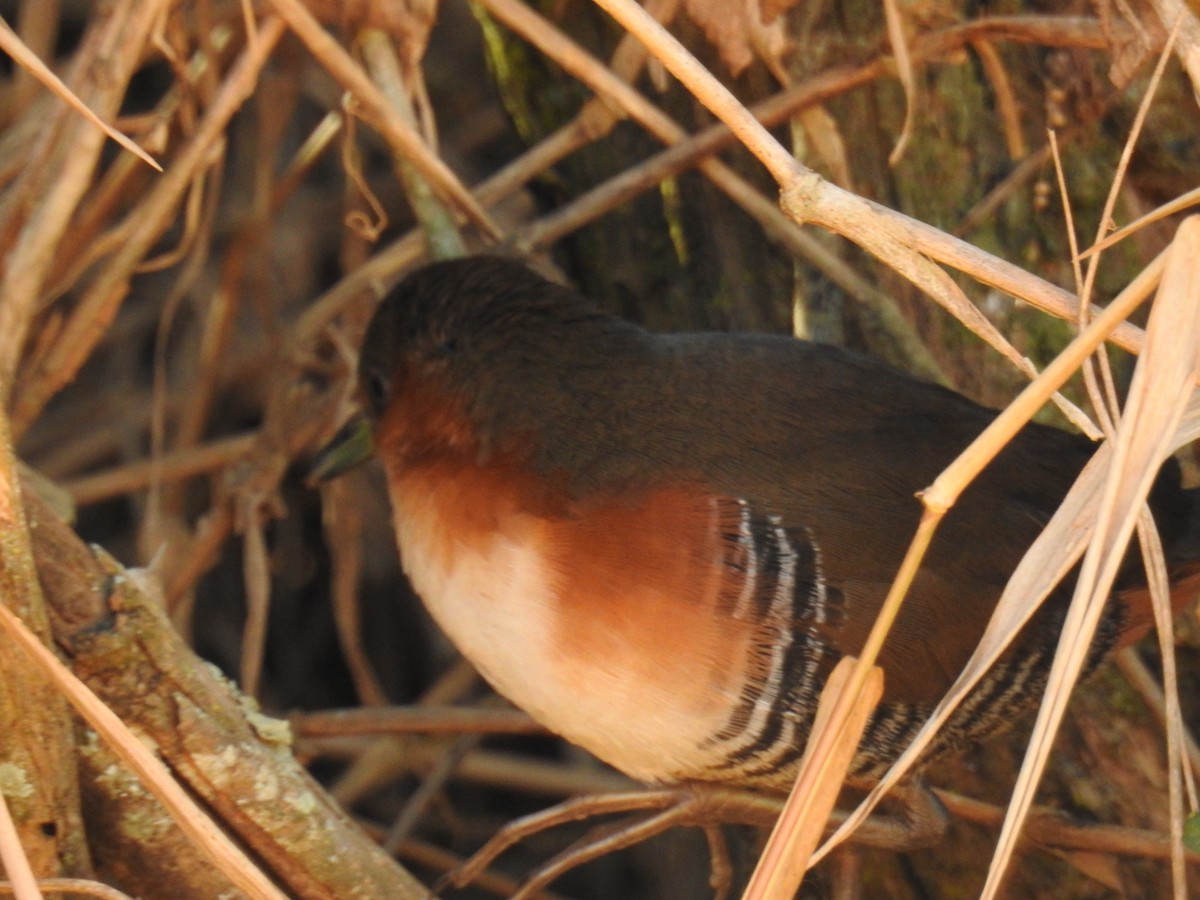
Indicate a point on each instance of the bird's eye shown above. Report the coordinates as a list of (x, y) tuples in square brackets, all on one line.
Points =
[(378, 386)]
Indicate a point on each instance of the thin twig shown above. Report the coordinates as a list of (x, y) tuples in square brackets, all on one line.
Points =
[(11, 43)]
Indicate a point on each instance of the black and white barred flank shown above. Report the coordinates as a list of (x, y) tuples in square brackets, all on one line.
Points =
[(774, 576)]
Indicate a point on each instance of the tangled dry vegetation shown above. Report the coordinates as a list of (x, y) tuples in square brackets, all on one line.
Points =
[(175, 344)]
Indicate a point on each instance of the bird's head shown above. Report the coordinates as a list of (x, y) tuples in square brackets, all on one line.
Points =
[(451, 344)]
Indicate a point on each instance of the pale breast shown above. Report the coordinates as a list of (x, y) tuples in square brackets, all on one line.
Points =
[(603, 626)]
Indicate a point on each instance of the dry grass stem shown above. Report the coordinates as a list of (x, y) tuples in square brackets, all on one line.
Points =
[(1007, 104), (1151, 692), (701, 83), (11, 43), (1163, 383), (907, 73), (399, 132), (1104, 402), (343, 526), (115, 50), (1150, 544), (784, 860), (1182, 17), (75, 886), (1177, 205), (99, 304), (17, 869), (437, 222), (175, 466)]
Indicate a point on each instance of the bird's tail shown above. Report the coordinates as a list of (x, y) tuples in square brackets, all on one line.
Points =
[(1182, 551)]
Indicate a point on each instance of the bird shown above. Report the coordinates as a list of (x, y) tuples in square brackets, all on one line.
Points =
[(659, 545)]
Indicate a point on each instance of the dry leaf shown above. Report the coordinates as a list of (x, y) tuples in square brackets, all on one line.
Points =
[(743, 29), (1100, 867)]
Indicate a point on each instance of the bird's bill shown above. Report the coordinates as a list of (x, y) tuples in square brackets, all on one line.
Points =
[(352, 445)]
